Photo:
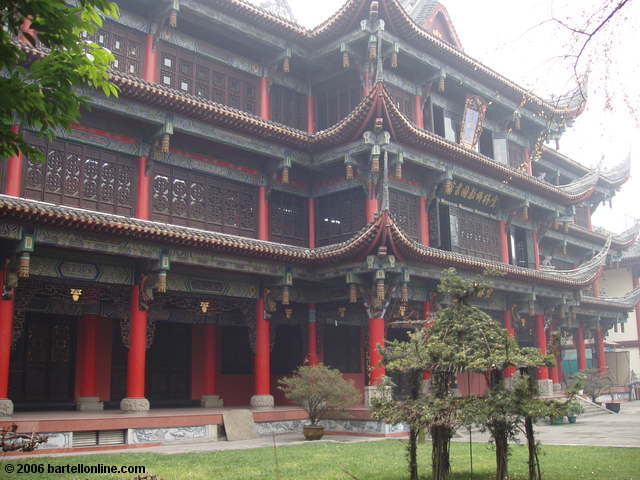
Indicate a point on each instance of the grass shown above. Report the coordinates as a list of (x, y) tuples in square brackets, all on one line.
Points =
[(382, 460)]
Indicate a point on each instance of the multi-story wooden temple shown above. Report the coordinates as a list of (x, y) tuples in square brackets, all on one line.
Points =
[(261, 194)]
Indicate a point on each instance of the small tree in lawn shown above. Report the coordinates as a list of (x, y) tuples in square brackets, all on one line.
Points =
[(319, 389), (462, 338)]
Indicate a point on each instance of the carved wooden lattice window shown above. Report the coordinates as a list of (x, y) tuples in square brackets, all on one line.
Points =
[(199, 76), (474, 235), (182, 197), (125, 44), (404, 101), (339, 216), (288, 107), (81, 176), (405, 210), (516, 155), (288, 219)]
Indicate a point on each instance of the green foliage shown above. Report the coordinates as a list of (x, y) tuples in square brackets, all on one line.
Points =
[(44, 95), (574, 408), (319, 389), (593, 383)]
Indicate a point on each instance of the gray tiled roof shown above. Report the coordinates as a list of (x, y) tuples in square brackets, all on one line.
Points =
[(420, 10)]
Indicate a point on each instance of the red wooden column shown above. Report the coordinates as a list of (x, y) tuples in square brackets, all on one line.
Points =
[(527, 159), (376, 338), (508, 325), (150, 60), (312, 222), (311, 115), (426, 312), (265, 104), (143, 198), (418, 112), (536, 250), (210, 397), (424, 221), (262, 397), (371, 205), (88, 343), (602, 357), (6, 328), (13, 185), (366, 82), (581, 349), (263, 214), (312, 339), (135, 400), (504, 242), (545, 386)]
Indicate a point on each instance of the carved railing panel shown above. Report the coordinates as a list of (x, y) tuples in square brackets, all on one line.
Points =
[(80, 176), (339, 216), (288, 107), (475, 235), (405, 210)]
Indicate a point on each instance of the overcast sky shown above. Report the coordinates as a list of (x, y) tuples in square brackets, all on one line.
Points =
[(505, 35)]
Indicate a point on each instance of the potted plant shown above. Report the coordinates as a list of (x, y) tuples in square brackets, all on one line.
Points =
[(318, 389), (574, 408)]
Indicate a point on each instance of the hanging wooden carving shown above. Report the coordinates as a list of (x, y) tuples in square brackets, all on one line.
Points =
[(475, 109)]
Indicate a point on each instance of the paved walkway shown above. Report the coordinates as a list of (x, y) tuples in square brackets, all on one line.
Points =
[(621, 430)]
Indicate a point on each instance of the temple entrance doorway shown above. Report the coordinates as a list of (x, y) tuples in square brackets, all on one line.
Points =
[(42, 369)]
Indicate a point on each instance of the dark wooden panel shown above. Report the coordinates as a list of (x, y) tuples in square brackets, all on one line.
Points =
[(81, 176), (339, 216), (287, 354), (169, 363), (288, 107), (127, 46), (192, 73), (405, 210), (405, 102), (181, 197), (236, 353), (582, 216), (336, 99), (342, 348), (288, 219), (475, 234), (43, 363)]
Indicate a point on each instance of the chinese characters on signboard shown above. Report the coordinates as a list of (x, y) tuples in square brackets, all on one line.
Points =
[(464, 191)]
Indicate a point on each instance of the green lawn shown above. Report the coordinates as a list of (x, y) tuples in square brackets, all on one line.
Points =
[(383, 460)]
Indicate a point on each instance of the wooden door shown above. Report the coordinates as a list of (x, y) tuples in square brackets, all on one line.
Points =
[(169, 365)]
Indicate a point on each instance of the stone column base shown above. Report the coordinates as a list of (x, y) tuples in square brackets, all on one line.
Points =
[(545, 387), (211, 401), (557, 387), (6, 407), (262, 401), (375, 392), (89, 404), (134, 405)]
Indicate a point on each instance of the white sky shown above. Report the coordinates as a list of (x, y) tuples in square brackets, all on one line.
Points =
[(504, 35)]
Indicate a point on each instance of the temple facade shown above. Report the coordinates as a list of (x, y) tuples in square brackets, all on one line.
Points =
[(262, 195)]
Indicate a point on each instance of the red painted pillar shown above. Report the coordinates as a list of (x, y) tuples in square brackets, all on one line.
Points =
[(89, 342), (543, 372), (265, 107), (376, 337), (602, 357), (527, 159), (210, 339), (150, 60), (418, 112), (596, 287), (142, 200), (424, 221), (311, 115), (371, 206), (312, 340), (262, 397), (581, 349), (536, 250), (137, 347), (504, 243), (263, 214), (312, 222), (6, 330), (14, 170), (508, 325), (426, 314)]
